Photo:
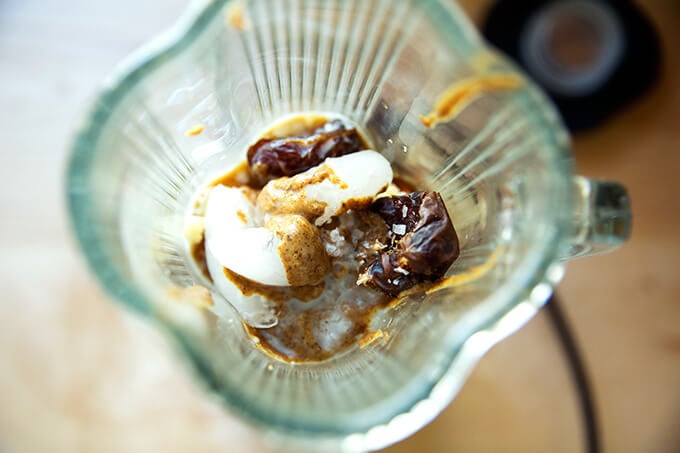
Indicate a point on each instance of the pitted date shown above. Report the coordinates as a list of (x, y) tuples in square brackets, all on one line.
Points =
[(273, 158), (423, 242)]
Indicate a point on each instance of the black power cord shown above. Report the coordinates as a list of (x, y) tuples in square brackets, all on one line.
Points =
[(578, 372)]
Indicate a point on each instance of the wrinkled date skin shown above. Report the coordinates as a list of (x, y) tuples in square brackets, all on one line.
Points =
[(273, 158), (423, 242)]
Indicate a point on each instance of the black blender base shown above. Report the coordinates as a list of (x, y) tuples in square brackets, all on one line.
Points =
[(593, 58)]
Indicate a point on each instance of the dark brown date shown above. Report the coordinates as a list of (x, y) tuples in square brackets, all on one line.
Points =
[(273, 158), (423, 242)]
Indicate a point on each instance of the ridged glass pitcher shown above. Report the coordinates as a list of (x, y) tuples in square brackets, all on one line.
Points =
[(449, 114)]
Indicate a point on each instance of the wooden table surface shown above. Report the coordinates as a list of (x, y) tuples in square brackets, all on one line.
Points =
[(80, 374)]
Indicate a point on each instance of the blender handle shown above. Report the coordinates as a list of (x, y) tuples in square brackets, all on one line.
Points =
[(601, 218)]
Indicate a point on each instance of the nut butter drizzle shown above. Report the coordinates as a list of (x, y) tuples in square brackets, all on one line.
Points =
[(301, 309), (463, 92)]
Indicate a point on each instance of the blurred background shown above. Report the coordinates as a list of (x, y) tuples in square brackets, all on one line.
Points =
[(78, 373)]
